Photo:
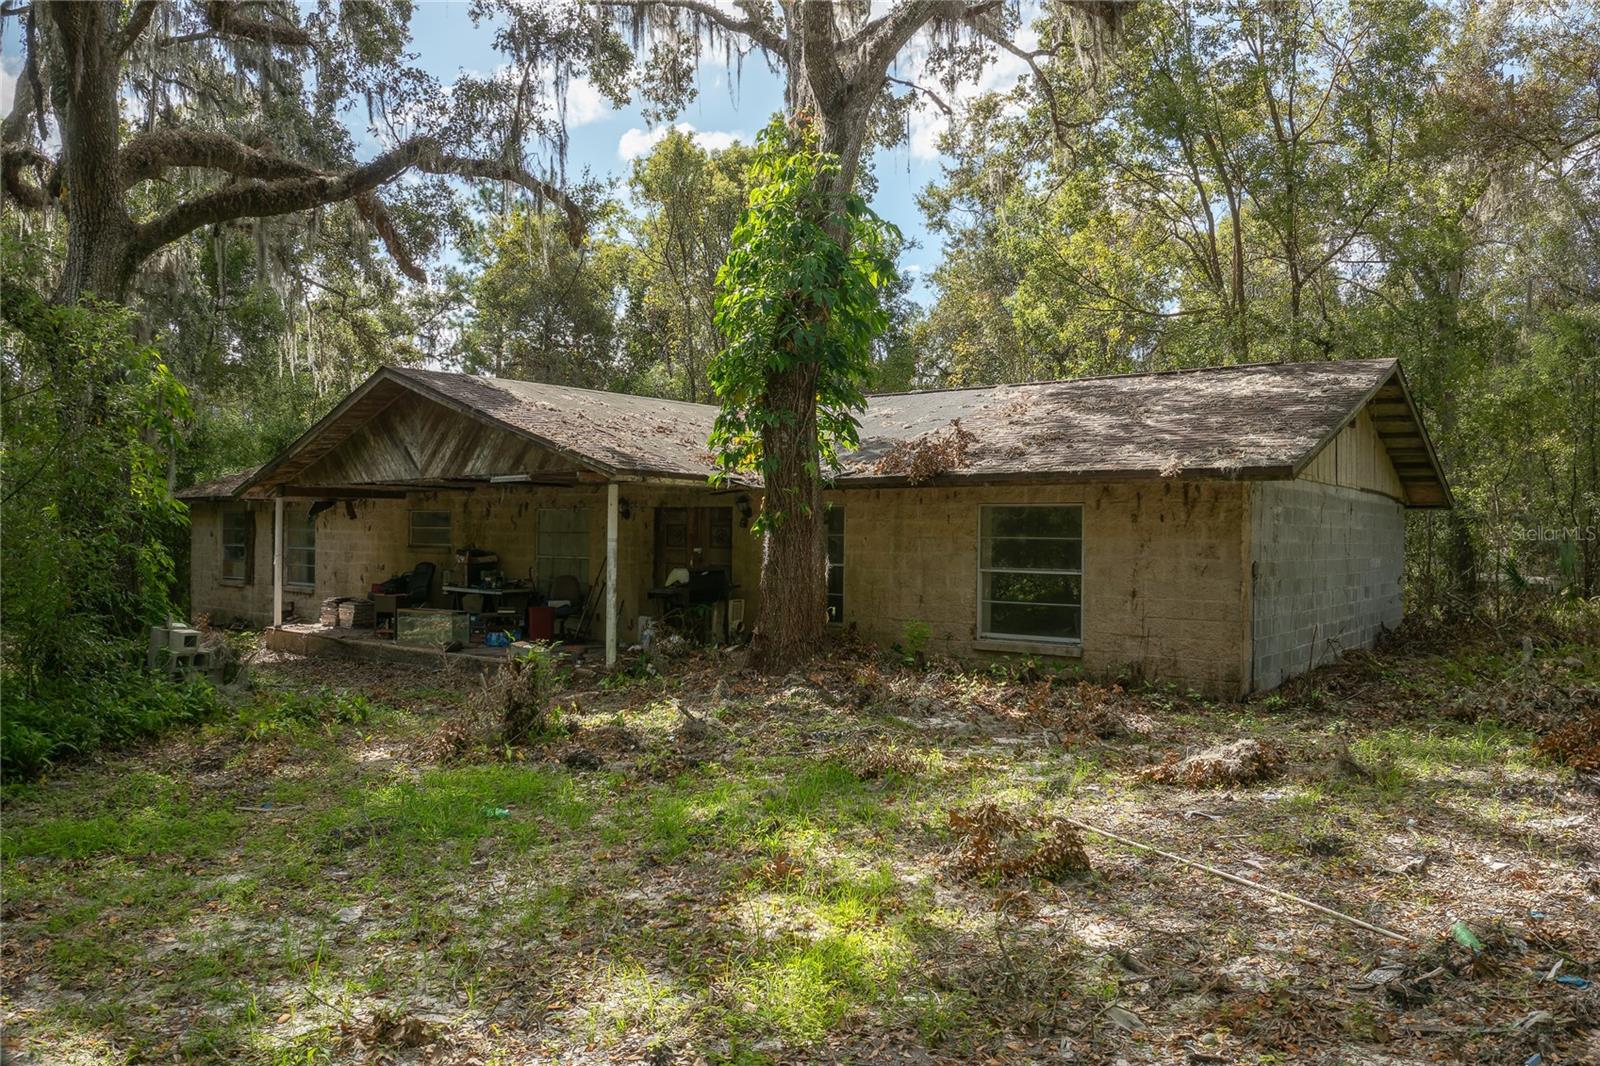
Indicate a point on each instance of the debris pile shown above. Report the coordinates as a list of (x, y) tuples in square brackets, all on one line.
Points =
[(1574, 743), (921, 459), (992, 840), (1243, 762), (877, 759)]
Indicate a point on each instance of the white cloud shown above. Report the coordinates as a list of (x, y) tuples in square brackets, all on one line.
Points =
[(1000, 75), (585, 104), (637, 142)]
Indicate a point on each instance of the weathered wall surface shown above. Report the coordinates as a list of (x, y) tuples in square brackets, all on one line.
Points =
[(353, 553), (1356, 459), (1165, 593), (225, 602), (1327, 565)]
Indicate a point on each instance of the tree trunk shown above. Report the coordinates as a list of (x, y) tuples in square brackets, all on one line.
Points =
[(99, 230), (793, 615), (793, 602)]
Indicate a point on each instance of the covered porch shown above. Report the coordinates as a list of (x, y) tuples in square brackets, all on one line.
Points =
[(412, 482)]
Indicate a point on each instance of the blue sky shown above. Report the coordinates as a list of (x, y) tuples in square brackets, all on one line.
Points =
[(605, 140)]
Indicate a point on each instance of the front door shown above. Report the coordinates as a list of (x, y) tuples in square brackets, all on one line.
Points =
[(695, 538)]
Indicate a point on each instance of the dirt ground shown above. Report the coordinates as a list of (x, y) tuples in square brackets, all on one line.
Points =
[(862, 863)]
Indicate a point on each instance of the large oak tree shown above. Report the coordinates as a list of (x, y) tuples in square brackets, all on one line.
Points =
[(171, 117)]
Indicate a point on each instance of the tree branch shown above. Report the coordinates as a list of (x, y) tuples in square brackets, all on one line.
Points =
[(13, 158), (498, 170), (938, 101), (226, 19), (146, 155), (370, 208), (278, 186), (881, 39), (138, 21), (757, 30)]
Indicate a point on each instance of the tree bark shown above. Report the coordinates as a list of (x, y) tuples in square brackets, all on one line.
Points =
[(99, 230), (793, 599)]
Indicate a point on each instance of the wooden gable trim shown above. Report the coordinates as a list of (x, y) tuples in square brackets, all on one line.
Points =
[(1400, 428), (340, 424)]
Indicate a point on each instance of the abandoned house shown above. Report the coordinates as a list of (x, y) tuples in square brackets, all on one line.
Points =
[(1224, 528)]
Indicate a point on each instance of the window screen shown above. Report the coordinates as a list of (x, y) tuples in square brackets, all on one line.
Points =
[(430, 529), (563, 544), (299, 547), (238, 543), (1030, 568), (835, 527)]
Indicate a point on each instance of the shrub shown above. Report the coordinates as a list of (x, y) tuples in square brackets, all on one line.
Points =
[(66, 717)]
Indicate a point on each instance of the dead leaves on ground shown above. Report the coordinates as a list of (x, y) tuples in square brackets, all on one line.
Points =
[(995, 841), (1575, 743)]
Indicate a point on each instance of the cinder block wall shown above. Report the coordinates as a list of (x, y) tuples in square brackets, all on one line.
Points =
[(225, 602), (1326, 564), (1164, 588)]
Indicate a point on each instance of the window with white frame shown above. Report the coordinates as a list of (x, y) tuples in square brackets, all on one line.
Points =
[(430, 529), (835, 527), (299, 547), (238, 546), (1030, 573), (563, 544)]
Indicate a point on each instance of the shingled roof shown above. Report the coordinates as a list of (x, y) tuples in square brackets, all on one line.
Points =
[(221, 488), (1263, 420)]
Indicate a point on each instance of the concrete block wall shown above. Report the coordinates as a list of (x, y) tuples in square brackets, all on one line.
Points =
[(225, 602), (1164, 587), (1326, 567)]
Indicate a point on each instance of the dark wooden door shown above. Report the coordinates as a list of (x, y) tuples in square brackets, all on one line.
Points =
[(695, 538)]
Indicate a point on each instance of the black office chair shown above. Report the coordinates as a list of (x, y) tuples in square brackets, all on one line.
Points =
[(419, 584)]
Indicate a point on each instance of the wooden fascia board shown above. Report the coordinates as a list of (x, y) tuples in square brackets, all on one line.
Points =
[(446, 400), (327, 421), (1427, 442), (1355, 412), (1412, 436)]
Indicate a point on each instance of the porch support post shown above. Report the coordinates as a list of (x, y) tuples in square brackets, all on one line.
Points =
[(611, 573), (277, 561)]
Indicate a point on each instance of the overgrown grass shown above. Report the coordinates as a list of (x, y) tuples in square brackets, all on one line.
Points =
[(770, 896)]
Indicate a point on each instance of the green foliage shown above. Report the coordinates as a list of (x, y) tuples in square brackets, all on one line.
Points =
[(914, 641), (539, 308), (688, 202), (90, 419), (802, 288), (297, 711), (1304, 181), (48, 721)]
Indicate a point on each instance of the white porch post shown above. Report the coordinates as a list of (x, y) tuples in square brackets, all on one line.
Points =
[(277, 561), (611, 573)]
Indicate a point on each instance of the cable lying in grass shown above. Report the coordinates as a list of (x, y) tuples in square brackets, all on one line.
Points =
[(1236, 879)]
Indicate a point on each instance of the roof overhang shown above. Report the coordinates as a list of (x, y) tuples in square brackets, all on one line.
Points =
[(1405, 436), (370, 399)]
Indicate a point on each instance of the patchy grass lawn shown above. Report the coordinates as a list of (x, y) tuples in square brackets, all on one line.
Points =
[(718, 867)]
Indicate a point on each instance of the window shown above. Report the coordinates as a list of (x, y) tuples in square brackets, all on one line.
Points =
[(430, 529), (238, 546), (835, 527), (1030, 571), (299, 547), (563, 544)]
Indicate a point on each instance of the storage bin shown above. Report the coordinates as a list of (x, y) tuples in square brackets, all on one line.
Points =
[(430, 628)]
